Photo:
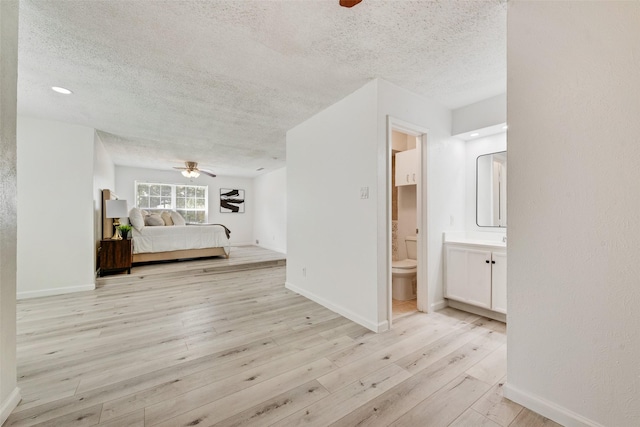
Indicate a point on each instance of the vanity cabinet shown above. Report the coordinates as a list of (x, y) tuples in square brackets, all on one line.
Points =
[(476, 275), (407, 168)]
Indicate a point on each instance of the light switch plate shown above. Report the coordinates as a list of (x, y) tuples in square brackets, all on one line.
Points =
[(364, 192)]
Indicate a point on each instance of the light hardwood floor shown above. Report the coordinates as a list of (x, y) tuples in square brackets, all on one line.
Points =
[(236, 348)]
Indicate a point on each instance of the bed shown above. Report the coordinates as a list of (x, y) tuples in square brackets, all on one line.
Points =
[(162, 243)]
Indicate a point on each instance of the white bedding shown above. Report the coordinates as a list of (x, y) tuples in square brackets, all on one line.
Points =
[(179, 237)]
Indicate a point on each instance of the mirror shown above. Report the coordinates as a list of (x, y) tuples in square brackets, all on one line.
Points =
[(491, 190)]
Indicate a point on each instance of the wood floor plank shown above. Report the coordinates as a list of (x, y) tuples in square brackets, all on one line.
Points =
[(492, 368), (218, 341), (444, 406), (528, 418), (342, 402), (495, 407), (278, 407), (216, 382), (391, 405), (204, 408), (471, 418)]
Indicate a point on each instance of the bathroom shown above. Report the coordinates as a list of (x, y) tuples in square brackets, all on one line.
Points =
[(474, 244), (404, 221), (475, 258)]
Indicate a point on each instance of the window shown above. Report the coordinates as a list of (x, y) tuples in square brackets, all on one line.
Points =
[(191, 201)]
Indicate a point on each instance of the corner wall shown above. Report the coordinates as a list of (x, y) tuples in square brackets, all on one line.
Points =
[(338, 248), (331, 231), (9, 392), (573, 108), (240, 224), (55, 208), (270, 220)]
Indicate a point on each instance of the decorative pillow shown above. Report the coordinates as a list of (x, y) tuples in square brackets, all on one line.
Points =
[(136, 219), (166, 217), (177, 218), (153, 220), (144, 213)]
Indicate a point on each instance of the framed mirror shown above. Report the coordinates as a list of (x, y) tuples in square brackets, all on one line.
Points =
[(491, 190)]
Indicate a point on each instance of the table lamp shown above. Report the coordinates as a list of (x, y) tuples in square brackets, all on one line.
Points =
[(116, 209)]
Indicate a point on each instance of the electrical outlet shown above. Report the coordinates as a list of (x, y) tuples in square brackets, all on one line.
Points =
[(364, 192)]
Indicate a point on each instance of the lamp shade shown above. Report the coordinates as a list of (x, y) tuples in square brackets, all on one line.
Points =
[(116, 209)]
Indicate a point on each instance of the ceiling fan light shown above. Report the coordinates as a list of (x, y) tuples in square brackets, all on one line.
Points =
[(190, 173)]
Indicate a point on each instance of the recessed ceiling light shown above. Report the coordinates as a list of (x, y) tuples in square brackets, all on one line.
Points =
[(474, 134), (505, 127), (61, 90)]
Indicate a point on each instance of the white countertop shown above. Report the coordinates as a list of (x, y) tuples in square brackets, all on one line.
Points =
[(475, 238)]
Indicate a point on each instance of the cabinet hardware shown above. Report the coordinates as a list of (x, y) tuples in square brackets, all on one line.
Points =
[(487, 261), (493, 262)]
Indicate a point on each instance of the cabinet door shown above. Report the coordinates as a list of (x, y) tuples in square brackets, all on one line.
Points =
[(468, 276), (406, 168), (499, 282)]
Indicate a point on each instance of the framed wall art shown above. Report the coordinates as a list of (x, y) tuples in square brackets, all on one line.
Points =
[(231, 200)]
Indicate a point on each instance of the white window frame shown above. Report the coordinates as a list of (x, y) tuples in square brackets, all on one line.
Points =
[(174, 197)]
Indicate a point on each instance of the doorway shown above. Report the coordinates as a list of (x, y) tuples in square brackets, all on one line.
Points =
[(407, 287)]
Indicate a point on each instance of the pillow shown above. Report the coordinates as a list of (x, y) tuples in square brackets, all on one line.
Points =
[(177, 218), (166, 217), (144, 213), (153, 220), (136, 219)]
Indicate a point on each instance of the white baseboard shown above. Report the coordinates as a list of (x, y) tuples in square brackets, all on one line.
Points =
[(55, 291), (9, 404), (500, 317), (272, 248), (375, 327), (548, 409), (438, 305)]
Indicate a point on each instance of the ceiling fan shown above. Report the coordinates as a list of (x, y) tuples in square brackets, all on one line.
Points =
[(191, 170), (349, 3)]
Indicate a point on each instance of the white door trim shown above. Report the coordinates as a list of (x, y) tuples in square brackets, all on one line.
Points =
[(422, 203)]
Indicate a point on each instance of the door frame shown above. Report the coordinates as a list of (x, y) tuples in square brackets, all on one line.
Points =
[(422, 199)]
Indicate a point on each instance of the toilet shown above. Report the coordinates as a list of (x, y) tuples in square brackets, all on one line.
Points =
[(403, 272)]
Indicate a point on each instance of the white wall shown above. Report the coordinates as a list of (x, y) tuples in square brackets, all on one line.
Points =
[(574, 295), (55, 208), (103, 178), (240, 224), (486, 113), (475, 148), (342, 240), (9, 393), (270, 219), (331, 231)]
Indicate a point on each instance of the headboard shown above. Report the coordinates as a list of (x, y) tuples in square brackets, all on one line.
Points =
[(107, 223)]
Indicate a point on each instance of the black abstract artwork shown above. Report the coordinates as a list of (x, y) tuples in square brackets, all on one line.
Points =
[(231, 200)]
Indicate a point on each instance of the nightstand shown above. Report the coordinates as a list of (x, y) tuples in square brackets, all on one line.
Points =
[(115, 255)]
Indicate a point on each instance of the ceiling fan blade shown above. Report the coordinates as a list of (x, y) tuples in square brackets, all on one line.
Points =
[(182, 169), (349, 3), (211, 174)]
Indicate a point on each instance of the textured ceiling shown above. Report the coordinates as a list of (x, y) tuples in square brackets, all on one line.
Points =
[(220, 82)]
